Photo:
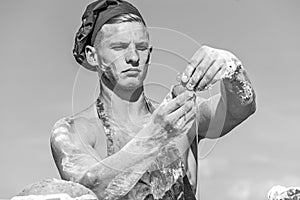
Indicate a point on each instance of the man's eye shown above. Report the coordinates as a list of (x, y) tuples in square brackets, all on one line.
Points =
[(142, 48), (119, 48)]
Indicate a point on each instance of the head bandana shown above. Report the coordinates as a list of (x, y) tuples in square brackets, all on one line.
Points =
[(94, 17)]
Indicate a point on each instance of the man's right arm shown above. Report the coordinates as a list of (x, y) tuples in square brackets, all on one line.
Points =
[(77, 160)]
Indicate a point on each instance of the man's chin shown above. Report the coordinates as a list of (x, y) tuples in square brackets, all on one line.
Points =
[(131, 85)]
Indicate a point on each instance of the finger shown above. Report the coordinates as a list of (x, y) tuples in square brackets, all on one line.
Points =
[(208, 77), (199, 72), (219, 75), (187, 73), (179, 101), (180, 112), (195, 60), (185, 120)]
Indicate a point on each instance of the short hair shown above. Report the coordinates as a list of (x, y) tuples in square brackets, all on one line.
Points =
[(127, 17)]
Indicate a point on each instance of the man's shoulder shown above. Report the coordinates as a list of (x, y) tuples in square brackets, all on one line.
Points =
[(84, 123), (86, 117)]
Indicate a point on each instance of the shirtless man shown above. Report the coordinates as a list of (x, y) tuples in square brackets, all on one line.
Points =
[(126, 146)]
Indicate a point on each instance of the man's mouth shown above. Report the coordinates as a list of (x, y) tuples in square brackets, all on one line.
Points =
[(131, 70)]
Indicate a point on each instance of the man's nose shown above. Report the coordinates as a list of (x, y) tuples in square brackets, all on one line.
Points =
[(132, 56)]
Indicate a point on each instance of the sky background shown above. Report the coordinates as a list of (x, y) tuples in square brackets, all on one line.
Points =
[(38, 74)]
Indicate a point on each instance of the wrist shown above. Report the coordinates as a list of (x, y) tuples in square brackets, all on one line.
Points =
[(146, 142)]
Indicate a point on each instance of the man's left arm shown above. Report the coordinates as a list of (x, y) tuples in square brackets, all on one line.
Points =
[(236, 102)]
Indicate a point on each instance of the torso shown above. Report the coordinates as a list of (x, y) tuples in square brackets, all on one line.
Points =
[(108, 137), (124, 133)]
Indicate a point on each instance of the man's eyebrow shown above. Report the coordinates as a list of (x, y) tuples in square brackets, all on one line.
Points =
[(119, 43), (142, 44), (127, 43)]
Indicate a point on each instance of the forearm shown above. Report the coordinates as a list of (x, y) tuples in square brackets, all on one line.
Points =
[(221, 113), (237, 96), (121, 169), (115, 175), (238, 93)]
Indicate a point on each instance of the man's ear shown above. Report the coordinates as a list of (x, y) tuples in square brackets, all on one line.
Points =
[(150, 49), (91, 55), (149, 55)]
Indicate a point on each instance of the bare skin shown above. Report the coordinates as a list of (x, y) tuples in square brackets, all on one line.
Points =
[(123, 58)]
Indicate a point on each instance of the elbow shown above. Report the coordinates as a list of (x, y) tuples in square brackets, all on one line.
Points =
[(244, 111), (233, 121), (251, 108), (89, 179), (252, 105), (246, 114)]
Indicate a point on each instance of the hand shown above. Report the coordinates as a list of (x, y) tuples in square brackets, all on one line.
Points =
[(174, 116), (207, 66)]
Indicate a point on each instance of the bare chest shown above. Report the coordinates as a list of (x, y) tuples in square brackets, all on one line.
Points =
[(119, 133)]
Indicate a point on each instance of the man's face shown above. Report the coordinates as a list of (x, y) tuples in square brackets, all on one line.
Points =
[(124, 52)]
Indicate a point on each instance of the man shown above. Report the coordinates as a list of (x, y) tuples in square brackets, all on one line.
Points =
[(125, 146)]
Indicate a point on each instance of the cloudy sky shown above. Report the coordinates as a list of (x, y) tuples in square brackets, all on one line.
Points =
[(39, 80)]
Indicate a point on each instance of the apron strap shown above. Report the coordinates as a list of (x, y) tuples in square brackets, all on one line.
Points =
[(188, 192)]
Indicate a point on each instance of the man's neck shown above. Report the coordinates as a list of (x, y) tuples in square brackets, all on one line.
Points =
[(120, 107)]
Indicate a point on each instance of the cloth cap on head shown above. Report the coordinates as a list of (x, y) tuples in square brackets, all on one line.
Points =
[(94, 17)]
